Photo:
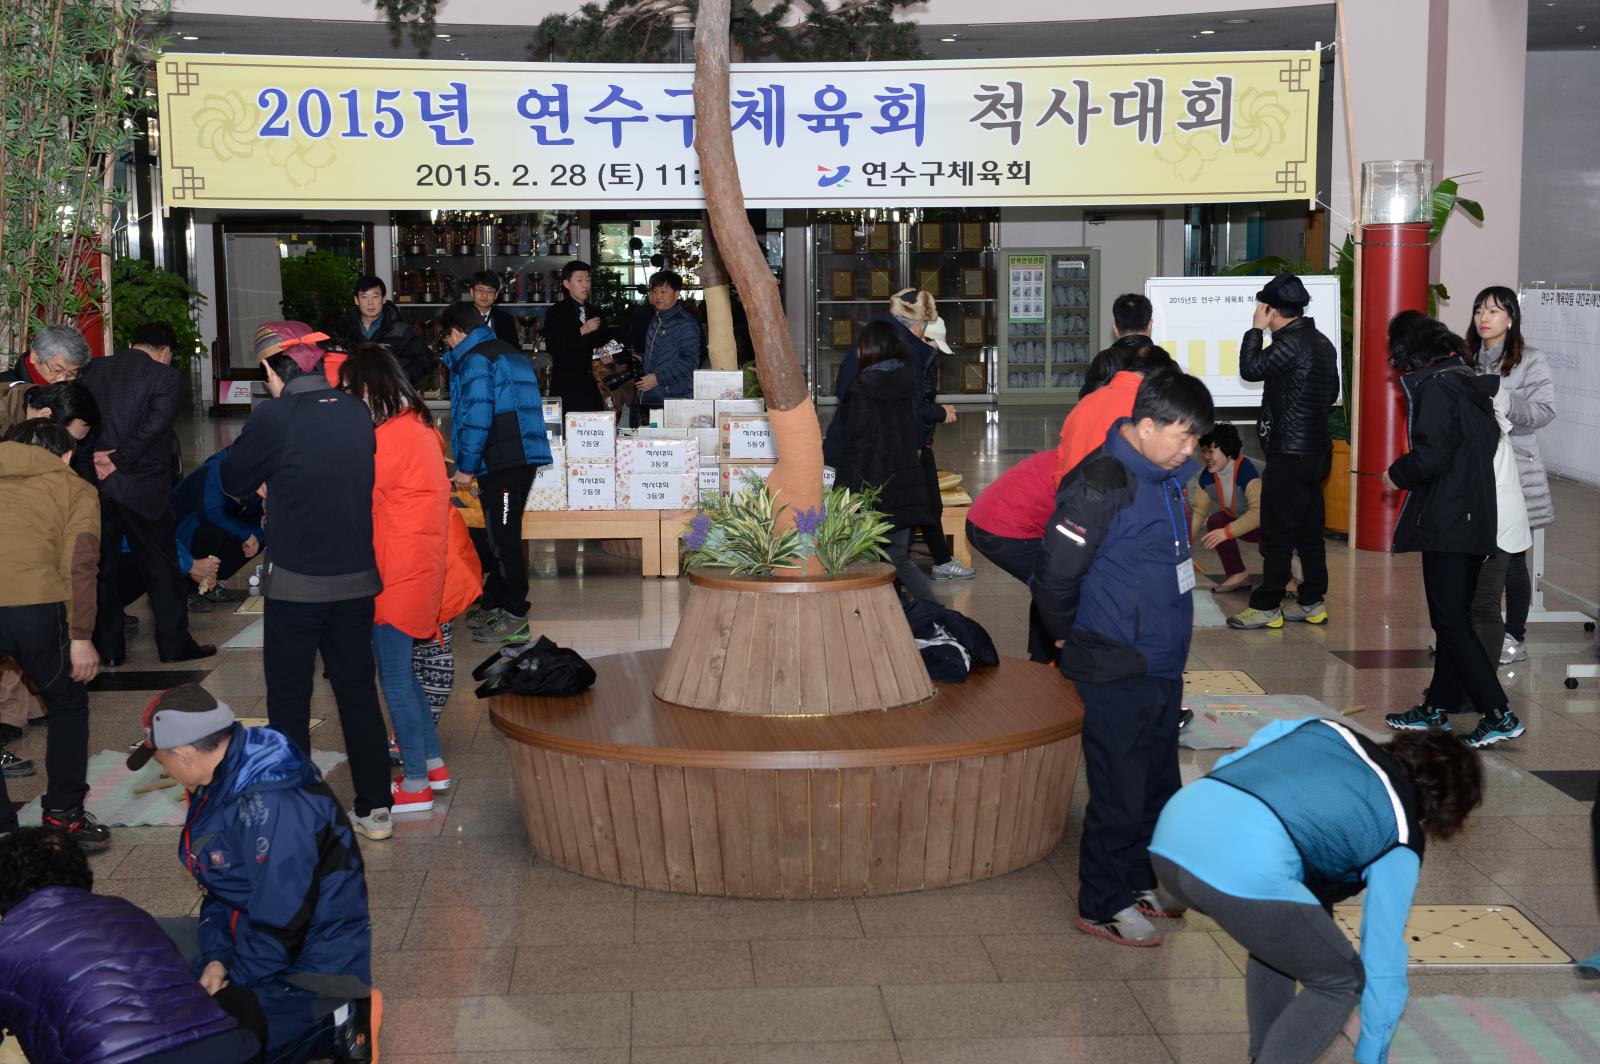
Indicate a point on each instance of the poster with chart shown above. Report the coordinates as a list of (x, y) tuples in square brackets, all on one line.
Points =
[(1200, 321), (1025, 287), (1564, 323)]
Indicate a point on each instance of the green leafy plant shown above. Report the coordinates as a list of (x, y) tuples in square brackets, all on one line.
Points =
[(740, 532), (317, 285), (143, 294)]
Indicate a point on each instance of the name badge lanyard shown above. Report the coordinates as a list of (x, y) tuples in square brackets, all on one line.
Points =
[(1179, 534)]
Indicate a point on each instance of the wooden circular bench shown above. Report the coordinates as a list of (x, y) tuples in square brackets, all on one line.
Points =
[(621, 786)]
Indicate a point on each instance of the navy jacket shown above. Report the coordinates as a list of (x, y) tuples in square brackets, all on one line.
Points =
[(92, 979), (285, 906), (1448, 474), (313, 447), (199, 500), (391, 330), (672, 353), (1107, 579), (138, 400), (879, 438), (496, 412)]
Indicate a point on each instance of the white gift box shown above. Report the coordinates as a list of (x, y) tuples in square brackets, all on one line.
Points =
[(733, 478), (727, 407), (549, 491), (689, 413), (652, 491), (710, 478), (657, 457), (592, 486), (718, 384), (591, 437), (747, 438)]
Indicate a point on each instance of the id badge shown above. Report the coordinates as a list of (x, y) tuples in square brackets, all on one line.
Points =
[(1185, 576)]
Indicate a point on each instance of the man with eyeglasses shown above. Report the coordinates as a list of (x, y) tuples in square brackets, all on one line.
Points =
[(484, 290), (55, 353)]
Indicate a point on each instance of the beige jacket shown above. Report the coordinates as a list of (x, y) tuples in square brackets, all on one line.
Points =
[(49, 535)]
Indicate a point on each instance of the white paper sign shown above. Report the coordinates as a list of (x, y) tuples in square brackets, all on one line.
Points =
[(592, 486), (656, 457), (675, 491), (1564, 324), (552, 417), (1199, 321), (591, 437), (748, 438)]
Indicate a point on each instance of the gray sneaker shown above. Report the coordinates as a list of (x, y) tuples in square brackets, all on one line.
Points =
[(1310, 613), (376, 825), (954, 570), (1512, 650), (1126, 928), (477, 618), (1158, 903), (503, 628)]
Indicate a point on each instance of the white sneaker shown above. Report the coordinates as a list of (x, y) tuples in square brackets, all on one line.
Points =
[(954, 570), (1511, 650), (376, 825), (1127, 928)]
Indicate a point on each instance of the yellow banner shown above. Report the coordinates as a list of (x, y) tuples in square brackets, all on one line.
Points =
[(288, 133)]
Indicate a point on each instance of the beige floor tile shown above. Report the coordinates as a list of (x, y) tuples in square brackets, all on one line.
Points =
[(501, 1025), (1514, 868), (722, 919), (606, 923), (443, 972), (1548, 904), (542, 1056), (855, 962), (877, 1052), (1498, 982), (1059, 958), (1014, 1010), (158, 897), (397, 889), (666, 966), (1192, 1006), (1567, 830), (1488, 832), (1128, 1049), (389, 928), (949, 914), (1579, 940), (730, 1017)]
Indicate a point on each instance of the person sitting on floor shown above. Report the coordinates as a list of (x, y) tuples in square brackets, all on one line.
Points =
[(284, 911), (213, 524), (86, 977), (1229, 482)]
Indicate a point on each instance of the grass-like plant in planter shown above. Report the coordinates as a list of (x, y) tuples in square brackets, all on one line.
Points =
[(744, 533)]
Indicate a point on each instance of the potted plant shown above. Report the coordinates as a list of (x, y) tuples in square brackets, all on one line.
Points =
[(141, 294), (743, 533)]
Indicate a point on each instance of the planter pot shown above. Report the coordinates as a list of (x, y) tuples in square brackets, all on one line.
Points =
[(1336, 491), (794, 645)]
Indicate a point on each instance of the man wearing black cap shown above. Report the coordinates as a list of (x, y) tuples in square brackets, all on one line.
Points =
[(285, 908), (1301, 371)]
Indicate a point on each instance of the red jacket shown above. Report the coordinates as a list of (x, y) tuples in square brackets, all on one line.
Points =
[(410, 525), (1086, 426), (1021, 500)]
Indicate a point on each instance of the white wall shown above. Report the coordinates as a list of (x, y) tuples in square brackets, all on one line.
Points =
[(1561, 169)]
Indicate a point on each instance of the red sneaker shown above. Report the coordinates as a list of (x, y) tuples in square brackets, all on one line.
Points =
[(439, 778), (404, 801)]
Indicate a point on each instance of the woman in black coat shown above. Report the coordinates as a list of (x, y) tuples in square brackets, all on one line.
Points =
[(1450, 516), (881, 434)]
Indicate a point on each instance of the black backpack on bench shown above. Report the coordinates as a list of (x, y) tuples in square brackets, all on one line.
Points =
[(539, 668)]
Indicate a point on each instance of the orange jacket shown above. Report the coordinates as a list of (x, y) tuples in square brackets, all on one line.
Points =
[(463, 573), (410, 525), (1086, 426)]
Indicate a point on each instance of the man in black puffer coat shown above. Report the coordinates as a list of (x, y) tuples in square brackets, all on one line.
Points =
[(1301, 371)]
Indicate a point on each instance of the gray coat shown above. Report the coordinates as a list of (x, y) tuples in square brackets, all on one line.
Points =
[(1533, 406)]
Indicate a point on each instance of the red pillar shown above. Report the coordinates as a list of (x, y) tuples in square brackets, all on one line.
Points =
[(1394, 277)]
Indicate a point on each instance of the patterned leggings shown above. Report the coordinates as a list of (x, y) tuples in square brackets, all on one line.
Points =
[(434, 662)]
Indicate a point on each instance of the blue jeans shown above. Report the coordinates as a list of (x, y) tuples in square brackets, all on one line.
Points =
[(408, 706)]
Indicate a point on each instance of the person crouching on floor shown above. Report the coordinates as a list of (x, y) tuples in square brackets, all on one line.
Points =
[(1113, 584), (284, 912), (1225, 503)]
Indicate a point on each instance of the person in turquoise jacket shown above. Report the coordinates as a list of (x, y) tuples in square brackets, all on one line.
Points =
[(1307, 815)]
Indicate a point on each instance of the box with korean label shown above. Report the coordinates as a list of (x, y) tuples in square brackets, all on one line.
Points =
[(725, 407), (656, 456), (591, 486), (552, 418), (718, 384), (747, 438), (710, 478), (689, 413), (549, 491), (710, 441), (591, 437), (655, 491), (736, 477)]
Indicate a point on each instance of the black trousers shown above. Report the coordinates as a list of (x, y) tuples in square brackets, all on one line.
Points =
[(1291, 521), (37, 637), (1130, 753), (933, 535), (1460, 664), (209, 541), (153, 548), (1017, 557), (503, 493), (294, 632)]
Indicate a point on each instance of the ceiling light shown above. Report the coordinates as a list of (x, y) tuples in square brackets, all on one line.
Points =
[(190, 37), (948, 40), (442, 36), (1237, 21), (1207, 33)]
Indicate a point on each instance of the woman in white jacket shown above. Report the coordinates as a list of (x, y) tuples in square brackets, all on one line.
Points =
[(1495, 341), (1512, 535)]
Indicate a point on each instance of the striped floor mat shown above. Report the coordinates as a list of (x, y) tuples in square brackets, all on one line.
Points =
[(1461, 1030)]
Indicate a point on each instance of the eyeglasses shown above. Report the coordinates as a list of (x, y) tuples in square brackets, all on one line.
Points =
[(485, 290)]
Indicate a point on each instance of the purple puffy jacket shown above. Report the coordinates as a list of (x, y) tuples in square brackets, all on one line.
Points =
[(90, 979)]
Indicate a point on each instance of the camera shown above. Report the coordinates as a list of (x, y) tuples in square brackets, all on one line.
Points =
[(626, 367)]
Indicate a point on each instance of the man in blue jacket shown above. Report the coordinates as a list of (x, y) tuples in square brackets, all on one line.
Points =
[(284, 913), (213, 524), (1113, 585), (671, 345), (497, 433)]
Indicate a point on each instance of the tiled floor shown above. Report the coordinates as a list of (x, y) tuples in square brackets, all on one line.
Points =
[(488, 954)]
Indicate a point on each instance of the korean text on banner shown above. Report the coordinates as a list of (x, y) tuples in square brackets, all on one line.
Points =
[(299, 133), (1564, 324)]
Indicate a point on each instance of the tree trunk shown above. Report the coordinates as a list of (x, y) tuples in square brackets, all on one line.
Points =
[(720, 344), (796, 482)]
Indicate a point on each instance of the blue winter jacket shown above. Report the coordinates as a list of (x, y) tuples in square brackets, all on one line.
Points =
[(1107, 578), (285, 906), (496, 412), (199, 499), (672, 353), (91, 978)]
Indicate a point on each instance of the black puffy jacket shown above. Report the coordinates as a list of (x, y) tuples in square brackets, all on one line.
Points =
[(1301, 370), (1448, 473), (879, 439), (408, 348)]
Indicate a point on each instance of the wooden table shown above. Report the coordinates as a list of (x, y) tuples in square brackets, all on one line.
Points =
[(642, 525)]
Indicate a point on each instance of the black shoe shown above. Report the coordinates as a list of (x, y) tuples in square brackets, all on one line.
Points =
[(105, 663), (80, 826), (356, 1036), (13, 766), (198, 603), (223, 595), (192, 652), (1185, 718)]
